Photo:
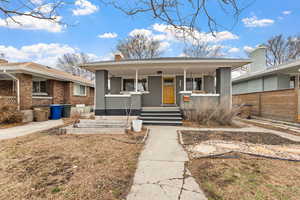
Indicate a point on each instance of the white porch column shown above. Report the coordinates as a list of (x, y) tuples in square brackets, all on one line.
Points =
[(184, 80), (136, 80)]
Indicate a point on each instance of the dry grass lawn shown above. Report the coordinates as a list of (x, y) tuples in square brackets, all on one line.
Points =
[(247, 178), (49, 166)]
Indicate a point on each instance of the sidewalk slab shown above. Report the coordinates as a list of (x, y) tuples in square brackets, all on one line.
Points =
[(161, 172), (29, 128)]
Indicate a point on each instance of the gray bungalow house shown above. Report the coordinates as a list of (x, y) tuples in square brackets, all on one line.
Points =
[(163, 84)]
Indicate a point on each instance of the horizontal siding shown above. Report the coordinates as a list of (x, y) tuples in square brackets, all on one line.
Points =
[(117, 102)]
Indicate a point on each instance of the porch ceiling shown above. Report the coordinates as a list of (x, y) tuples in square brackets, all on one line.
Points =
[(166, 65)]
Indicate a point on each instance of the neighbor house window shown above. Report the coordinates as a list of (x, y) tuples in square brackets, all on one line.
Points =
[(193, 84), (39, 87), (79, 90), (129, 85)]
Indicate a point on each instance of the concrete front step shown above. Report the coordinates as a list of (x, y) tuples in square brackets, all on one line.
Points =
[(161, 114), (160, 118), (175, 123)]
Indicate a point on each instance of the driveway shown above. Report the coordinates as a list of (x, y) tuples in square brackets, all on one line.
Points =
[(161, 172), (29, 128)]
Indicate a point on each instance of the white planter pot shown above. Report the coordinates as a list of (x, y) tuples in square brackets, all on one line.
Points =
[(137, 125)]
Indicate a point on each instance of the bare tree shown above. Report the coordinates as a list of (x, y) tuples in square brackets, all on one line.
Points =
[(139, 46), (183, 13), (39, 9), (202, 49), (280, 50), (69, 63)]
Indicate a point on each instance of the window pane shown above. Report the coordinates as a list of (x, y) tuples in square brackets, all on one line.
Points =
[(43, 86), (35, 86), (197, 84), (189, 84), (142, 85), (128, 84)]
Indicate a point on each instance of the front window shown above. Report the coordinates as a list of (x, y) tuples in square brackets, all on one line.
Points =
[(39, 87), (79, 90), (193, 84), (129, 85)]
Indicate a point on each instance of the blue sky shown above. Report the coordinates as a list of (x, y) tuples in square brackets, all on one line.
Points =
[(43, 42)]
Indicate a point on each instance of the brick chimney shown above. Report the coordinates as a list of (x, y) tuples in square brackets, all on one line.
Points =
[(3, 61), (118, 57)]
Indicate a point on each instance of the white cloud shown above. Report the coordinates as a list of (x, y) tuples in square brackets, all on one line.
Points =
[(37, 2), (248, 49), (42, 53), (171, 33), (140, 31), (31, 23), (255, 22), (286, 12), (108, 35), (233, 50), (164, 46), (84, 7)]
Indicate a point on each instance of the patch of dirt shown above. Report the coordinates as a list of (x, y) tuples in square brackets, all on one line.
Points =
[(193, 137), (237, 176), (50, 166), (211, 125)]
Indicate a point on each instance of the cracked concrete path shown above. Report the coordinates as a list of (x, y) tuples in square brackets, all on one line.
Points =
[(161, 172)]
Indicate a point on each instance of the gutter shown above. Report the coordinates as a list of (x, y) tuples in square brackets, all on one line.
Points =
[(24, 68), (18, 86)]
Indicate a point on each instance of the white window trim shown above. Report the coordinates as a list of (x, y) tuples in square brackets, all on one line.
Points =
[(131, 77), (39, 93), (80, 95)]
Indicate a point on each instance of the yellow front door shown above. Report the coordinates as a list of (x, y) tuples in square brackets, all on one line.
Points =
[(168, 91)]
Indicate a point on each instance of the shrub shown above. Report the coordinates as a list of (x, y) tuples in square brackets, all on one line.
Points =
[(207, 112), (9, 113)]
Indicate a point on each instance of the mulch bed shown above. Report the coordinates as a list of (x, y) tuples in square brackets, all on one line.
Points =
[(237, 176), (50, 166), (193, 137)]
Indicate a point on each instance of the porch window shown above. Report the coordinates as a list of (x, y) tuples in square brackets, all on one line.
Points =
[(79, 90), (39, 87), (193, 84), (129, 85)]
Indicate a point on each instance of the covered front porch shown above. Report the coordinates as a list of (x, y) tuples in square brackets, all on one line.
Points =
[(125, 87)]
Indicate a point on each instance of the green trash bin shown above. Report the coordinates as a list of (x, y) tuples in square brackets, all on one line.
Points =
[(66, 110)]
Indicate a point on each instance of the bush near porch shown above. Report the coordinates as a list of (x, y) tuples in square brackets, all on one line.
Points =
[(9, 114), (209, 113)]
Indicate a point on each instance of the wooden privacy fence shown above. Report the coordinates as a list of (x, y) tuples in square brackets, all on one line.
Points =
[(279, 104)]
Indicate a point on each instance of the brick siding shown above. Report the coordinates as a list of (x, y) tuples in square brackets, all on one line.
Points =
[(278, 105), (25, 91), (60, 91)]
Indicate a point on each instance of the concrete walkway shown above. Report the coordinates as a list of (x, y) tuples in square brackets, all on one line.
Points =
[(26, 129), (161, 173)]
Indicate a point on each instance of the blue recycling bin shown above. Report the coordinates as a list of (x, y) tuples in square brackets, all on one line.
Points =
[(56, 111)]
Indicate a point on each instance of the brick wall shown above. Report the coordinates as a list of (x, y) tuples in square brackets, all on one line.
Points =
[(279, 105), (6, 88), (58, 92), (25, 91), (87, 100), (39, 102)]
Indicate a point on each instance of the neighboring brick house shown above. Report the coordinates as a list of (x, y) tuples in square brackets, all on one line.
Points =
[(32, 84)]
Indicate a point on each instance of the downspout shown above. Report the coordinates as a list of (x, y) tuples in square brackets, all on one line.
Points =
[(18, 86)]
